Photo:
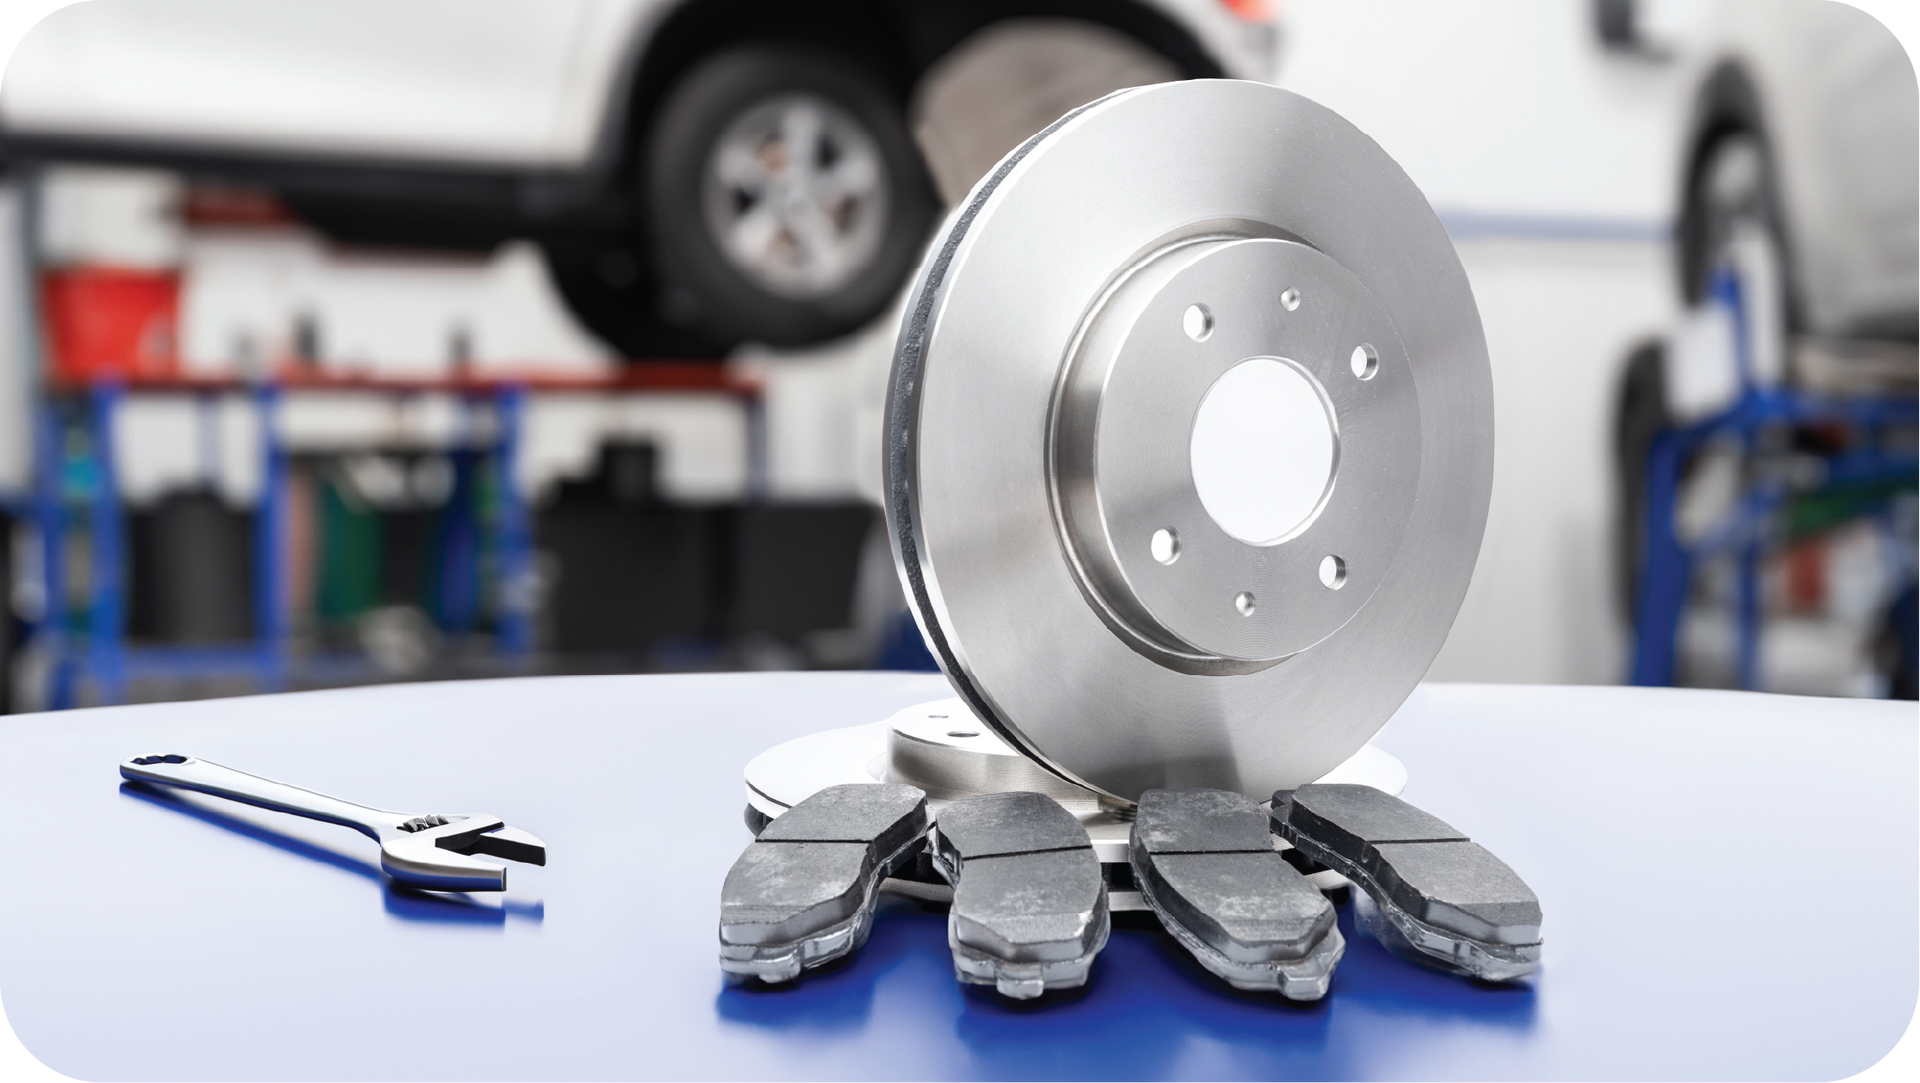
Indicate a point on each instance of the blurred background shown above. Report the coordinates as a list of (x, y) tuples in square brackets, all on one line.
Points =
[(346, 341)]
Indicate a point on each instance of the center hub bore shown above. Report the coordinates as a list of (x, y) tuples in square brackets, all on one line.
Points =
[(1263, 450), (1234, 453)]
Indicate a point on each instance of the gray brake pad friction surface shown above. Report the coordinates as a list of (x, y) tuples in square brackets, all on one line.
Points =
[(1029, 904), (1205, 862), (1437, 896), (802, 893)]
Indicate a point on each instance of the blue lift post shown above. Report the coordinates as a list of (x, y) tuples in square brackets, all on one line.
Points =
[(271, 626), (1669, 562), (107, 662), (50, 519), (106, 551), (512, 528)]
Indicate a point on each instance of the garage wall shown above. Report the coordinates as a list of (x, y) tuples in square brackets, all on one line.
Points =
[(16, 351), (1552, 164), (1560, 317), (1508, 107)]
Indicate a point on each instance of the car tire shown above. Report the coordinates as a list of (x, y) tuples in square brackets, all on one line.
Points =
[(1899, 654), (1640, 414), (756, 242), (610, 286), (1730, 185)]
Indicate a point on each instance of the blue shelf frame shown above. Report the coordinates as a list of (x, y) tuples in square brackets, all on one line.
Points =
[(1669, 562), (102, 656)]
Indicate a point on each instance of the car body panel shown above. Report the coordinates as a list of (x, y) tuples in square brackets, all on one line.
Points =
[(461, 124), (528, 85), (1243, 47), (1840, 113), (484, 82)]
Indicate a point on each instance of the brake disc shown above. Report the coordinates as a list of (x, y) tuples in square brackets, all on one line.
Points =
[(1189, 441)]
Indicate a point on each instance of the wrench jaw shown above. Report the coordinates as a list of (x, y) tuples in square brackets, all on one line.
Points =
[(508, 843), (437, 858)]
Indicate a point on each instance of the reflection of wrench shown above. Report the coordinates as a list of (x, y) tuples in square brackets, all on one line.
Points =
[(428, 851)]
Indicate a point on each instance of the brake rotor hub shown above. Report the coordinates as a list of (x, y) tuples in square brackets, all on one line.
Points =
[(1214, 445)]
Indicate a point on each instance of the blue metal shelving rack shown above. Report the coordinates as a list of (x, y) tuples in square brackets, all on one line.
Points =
[(1669, 561), (98, 653)]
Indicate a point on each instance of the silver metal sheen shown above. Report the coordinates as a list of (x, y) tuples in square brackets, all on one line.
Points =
[(421, 849), (1040, 417), (1123, 418)]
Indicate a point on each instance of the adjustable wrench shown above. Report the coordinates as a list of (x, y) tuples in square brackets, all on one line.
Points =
[(428, 850)]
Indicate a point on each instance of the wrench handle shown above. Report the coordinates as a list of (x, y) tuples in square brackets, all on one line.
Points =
[(211, 778)]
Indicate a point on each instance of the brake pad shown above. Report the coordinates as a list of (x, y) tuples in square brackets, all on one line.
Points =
[(802, 894), (1029, 904), (1206, 864), (1437, 897)]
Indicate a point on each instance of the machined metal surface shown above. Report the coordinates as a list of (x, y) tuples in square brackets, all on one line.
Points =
[(1050, 466), (1433, 895), (1124, 467), (426, 850), (947, 752), (944, 749), (917, 746)]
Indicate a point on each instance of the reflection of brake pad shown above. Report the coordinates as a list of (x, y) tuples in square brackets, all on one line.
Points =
[(1205, 862), (1029, 904), (802, 894), (1442, 899)]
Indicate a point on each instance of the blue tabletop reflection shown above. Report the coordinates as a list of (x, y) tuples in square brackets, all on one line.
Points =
[(402, 902), (1629, 811), (1144, 987)]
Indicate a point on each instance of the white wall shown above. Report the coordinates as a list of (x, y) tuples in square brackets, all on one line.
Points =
[(1560, 318), (1553, 164), (1503, 107), (377, 313), (16, 351)]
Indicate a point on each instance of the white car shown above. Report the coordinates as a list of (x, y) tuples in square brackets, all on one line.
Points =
[(1800, 171), (698, 172), (1804, 134)]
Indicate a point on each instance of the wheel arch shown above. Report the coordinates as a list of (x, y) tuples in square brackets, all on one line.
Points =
[(1728, 104), (898, 39), (595, 212)]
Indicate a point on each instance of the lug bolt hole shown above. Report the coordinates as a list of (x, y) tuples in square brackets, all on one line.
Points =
[(1290, 300), (1165, 545), (1333, 572), (1243, 601), (1364, 362), (1197, 322)]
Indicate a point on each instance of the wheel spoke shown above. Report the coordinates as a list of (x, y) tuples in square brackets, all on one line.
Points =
[(801, 129), (855, 176), (754, 234), (821, 247), (738, 165)]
